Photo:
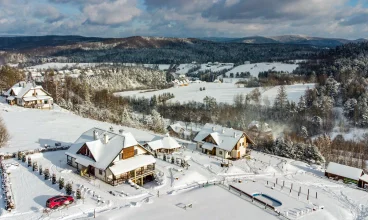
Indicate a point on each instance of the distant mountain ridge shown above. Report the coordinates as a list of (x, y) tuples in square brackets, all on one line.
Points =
[(290, 39), (55, 42)]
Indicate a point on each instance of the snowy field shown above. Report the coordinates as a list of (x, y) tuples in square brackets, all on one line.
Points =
[(256, 68), (32, 128), (223, 92)]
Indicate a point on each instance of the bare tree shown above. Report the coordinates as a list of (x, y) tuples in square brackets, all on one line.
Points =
[(4, 135)]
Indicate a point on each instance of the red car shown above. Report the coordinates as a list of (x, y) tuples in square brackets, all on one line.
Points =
[(57, 201)]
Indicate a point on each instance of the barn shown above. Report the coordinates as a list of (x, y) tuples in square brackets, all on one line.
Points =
[(342, 172)]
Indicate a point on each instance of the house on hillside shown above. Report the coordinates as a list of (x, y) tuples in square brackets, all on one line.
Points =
[(166, 144), (180, 130), (111, 157), (29, 95), (346, 173), (222, 142)]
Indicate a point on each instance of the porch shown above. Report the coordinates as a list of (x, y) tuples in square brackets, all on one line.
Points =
[(139, 176)]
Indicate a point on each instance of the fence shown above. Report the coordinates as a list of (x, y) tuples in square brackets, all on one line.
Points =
[(6, 187), (35, 151), (257, 202)]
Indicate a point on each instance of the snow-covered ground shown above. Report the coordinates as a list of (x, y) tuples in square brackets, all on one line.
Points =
[(58, 66), (256, 68), (31, 128), (223, 92)]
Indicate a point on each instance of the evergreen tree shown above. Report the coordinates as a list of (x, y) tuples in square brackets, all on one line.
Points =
[(61, 183), (23, 158), (281, 99), (158, 124), (47, 174), (164, 158), (69, 188), (35, 167), (29, 162), (40, 169), (19, 155), (302, 104), (78, 194), (172, 160), (53, 179)]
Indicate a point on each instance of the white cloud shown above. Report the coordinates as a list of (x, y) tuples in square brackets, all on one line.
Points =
[(111, 13), (184, 18)]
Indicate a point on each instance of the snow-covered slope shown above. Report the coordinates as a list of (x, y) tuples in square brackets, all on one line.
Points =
[(223, 92), (256, 68)]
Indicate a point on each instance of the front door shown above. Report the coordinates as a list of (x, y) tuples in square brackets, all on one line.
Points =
[(238, 154), (91, 170)]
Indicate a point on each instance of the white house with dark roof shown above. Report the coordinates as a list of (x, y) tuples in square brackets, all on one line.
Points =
[(111, 157), (222, 142), (29, 95), (166, 144)]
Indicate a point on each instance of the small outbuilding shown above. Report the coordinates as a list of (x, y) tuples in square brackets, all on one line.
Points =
[(363, 181), (166, 144), (342, 172)]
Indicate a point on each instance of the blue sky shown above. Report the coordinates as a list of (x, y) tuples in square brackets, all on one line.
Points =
[(185, 18)]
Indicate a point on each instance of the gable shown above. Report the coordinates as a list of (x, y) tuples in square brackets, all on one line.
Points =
[(84, 149), (35, 92), (209, 139)]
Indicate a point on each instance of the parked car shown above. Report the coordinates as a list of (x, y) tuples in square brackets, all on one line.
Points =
[(57, 201)]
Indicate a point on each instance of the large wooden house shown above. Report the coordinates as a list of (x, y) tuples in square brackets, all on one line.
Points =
[(111, 157), (29, 95), (223, 142)]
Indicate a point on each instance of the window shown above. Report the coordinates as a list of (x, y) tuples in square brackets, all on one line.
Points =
[(46, 102), (135, 152), (100, 172), (220, 152)]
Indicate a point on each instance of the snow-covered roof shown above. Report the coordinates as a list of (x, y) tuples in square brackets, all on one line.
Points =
[(103, 153), (364, 178), (344, 171), (208, 146), (16, 88), (166, 142), (225, 138), (123, 166), (38, 97), (180, 125), (10, 98), (27, 87), (176, 127), (31, 98)]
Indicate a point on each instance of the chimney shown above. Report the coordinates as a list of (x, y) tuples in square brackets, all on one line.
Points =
[(213, 128), (234, 134), (105, 139), (95, 134), (223, 130)]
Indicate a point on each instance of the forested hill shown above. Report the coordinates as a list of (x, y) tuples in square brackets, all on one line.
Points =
[(149, 50), (347, 59)]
